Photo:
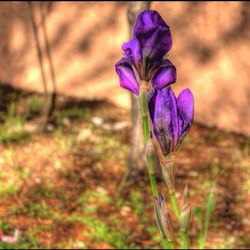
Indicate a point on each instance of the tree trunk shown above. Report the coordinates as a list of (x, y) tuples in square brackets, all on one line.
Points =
[(136, 161)]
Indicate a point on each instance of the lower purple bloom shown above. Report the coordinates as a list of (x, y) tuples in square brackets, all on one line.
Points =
[(171, 117)]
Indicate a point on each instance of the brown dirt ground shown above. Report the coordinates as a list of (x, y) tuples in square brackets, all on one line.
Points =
[(68, 168)]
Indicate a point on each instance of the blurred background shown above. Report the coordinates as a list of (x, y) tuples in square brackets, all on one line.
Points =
[(65, 133)]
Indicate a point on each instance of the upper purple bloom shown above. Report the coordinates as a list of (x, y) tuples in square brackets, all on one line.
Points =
[(171, 117), (145, 53), (150, 43)]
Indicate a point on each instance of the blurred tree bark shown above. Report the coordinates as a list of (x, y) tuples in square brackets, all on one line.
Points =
[(136, 161)]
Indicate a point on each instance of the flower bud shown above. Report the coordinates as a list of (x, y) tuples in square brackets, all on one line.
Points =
[(185, 218), (164, 221), (185, 196), (167, 222), (158, 218)]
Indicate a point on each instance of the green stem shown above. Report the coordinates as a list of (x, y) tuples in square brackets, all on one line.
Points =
[(174, 203), (201, 241), (153, 185), (184, 241), (151, 171), (171, 244), (144, 114), (166, 244), (150, 158), (145, 128)]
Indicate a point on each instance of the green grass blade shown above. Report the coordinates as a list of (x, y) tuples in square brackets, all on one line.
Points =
[(198, 215), (209, 209)]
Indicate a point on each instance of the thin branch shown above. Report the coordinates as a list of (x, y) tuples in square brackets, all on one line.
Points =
[(51, 66), (45, 111)]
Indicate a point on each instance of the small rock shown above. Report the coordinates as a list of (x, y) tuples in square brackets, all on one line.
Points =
[(38, 180), (102, 190), (193, 173), (79, 244), (66, 122), (83, 135), (120, 125), (98, 167), (246, 222), (107, 126), (94, 139), (58, 164), (30, 127), (1, 161), (178, 194), (50, 128), (125, 210), (97, 151), (97, 121)]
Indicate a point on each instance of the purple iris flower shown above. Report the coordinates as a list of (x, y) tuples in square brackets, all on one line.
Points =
[(145, 53), (171, 117)]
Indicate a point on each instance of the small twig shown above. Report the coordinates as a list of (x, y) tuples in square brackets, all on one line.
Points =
[(45, 112), (51, 66)]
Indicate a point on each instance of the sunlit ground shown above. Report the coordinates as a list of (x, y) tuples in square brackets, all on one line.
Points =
[(59, 188)]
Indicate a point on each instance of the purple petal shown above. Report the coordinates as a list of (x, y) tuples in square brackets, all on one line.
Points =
[(162, 120), (148, 18), (174, 119), (185, 105), (132, 51), (126, 76), (171, 117), (151, 41), (153, 35), (164, 115), (165, 75), (151, 102), (160, 198)]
